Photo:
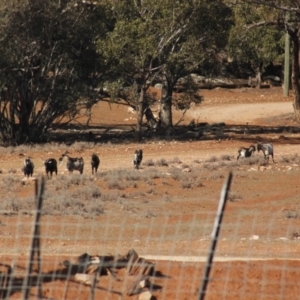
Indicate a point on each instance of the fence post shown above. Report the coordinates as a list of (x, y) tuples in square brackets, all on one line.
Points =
[(215, 235)]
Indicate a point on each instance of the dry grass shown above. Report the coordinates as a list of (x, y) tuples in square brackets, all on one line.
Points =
[(295, 159), (162, 163), (149, 163), (233, 196), (212, 159)]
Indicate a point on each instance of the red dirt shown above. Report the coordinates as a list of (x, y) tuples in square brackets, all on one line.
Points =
[(260, 221)]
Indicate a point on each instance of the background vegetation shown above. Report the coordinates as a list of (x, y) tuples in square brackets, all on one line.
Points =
[(57, 57)]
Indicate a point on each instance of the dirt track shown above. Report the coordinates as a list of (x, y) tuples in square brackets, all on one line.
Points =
[(252, 113)]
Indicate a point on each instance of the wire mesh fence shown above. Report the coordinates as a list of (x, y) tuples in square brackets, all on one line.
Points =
[(163, 255), (111, 246)]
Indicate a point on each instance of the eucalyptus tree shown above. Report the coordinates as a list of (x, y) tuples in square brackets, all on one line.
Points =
[(204, 26), (49, 65), (163, 40), (257, 45), (131, 52), (275, 15)]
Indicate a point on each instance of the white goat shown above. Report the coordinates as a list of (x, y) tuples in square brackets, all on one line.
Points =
[(73, 163), (246, 152)]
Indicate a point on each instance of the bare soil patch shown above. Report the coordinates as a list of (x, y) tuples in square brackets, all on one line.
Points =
[(167, 207)]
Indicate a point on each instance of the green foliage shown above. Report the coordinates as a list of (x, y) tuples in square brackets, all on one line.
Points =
[(253, 43), (48, 65), (164, 40)]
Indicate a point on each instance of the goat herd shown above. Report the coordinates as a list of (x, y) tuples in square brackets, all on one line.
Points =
[(73, 163), (77, 163), (266, 148)]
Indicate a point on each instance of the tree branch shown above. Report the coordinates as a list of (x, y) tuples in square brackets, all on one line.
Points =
[(273, 4), (265, 23)]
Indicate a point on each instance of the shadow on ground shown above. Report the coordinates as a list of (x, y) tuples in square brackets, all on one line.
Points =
[(219, 131)]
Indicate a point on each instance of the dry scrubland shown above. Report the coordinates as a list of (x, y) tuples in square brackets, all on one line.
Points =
[(167, 207)]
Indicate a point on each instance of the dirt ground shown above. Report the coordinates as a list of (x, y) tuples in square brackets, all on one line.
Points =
[(257, 255)]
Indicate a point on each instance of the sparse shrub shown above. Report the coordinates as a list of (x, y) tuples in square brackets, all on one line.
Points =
[(216, 176), (295, 235), (86, 193), (12, 171), (212, 159), (167, 198), (176, 173), (96, 193), (186, 183), (253, 160), (175, 160), (131, 175), (149, 163), (241, 174), (291, 214), (233, 164), (198, 183), (189, 182), (226, 157), (184, 166), (234, 196), (151, 191), (197, 161), (15, 205), (210, 167), (221, 164), (150, 214), (290, 159), (81, 146), (165, 182), (161, 163), (110, 197), (115, 184), (76, 179), (152, 174)]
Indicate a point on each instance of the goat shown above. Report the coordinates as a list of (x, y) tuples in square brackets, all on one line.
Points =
[(245, 152), (73, 163), (267, 149), (28, 167), (50, 166), (95, 162), (137, 158)]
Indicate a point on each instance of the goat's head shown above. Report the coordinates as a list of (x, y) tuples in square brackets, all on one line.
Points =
[(63, 156), (27, 161), (259, 147)]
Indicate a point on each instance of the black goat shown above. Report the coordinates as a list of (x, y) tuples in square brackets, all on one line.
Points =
[(28, 167), (95, 162), (137, 158), (267, 149), (246, 152), (50, 166), (73, 163)]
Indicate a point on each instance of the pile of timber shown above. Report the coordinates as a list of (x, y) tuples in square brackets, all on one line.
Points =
[(137, 275)]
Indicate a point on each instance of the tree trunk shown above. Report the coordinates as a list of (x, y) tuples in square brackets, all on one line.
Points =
[(140, 114), (295, 76), (165, 114), (258, 79)]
